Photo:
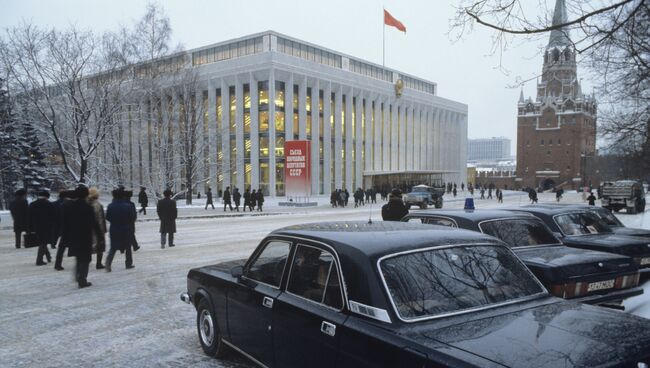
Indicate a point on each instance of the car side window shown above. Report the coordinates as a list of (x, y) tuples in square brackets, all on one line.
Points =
[(269, 264), (314, 276), (440, 221)]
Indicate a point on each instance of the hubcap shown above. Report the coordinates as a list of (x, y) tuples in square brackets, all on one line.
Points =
[(206, 327)]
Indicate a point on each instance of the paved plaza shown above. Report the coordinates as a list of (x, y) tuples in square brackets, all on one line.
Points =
[(134, 317)]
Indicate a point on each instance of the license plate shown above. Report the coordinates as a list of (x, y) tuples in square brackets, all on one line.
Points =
[(645, 261), (600, 285)]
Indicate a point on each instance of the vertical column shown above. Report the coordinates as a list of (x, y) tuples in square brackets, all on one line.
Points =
[(327, 140), (202, 136), (226, 167), (302, 108), (272, 131), (239, 132), (360, 154), (175, 121), (463, 155), (387, 139), (212, 135), (435, 152), (417, 137), (141, 142), (255, 133), (315, 142), (288, 109), (369, 141), (407, 157), (378, 157), (338, 137), (396, 135), (349, 147)]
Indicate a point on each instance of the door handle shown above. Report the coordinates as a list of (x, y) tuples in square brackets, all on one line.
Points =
[(328, 328), (267, 302)]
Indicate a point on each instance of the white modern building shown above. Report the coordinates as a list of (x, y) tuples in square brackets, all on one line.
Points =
[(488, 149), (368, 125)]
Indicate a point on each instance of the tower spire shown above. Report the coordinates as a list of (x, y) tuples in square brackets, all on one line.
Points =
[(559, 37), (521, 95)]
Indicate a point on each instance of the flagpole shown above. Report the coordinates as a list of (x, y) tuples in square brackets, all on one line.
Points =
[(383, 47)]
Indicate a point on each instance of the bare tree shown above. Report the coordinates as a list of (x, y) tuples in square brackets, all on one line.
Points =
[(73, 87)]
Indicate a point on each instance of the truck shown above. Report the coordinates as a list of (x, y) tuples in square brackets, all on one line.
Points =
[(623, 194), (424, 196)]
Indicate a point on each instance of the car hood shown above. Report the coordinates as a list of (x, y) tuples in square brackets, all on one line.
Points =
[(568, 262), (628, 245), (620, 230), (562, 334)]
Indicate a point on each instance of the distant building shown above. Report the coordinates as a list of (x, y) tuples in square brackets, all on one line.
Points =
[(556, 133), (488, 149)]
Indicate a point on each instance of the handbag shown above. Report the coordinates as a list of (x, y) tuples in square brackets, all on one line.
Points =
[(30, 240)]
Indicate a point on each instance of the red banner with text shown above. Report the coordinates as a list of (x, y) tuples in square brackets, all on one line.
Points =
[(297, 172)]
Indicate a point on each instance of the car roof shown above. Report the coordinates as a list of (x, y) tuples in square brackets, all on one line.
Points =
[(550, 209), (473, 215), (382, 237)]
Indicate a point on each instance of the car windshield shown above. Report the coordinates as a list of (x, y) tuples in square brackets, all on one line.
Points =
[(581, 223), (519, 232), (432, 282), (607, 217), (421, 189)]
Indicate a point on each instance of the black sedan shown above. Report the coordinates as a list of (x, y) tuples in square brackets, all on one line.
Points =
[(580, 228), (390, 294), (613, 222), (595, 277)]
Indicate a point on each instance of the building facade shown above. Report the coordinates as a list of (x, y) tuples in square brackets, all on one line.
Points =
[(556, 132), (488, 149), (366, 124)]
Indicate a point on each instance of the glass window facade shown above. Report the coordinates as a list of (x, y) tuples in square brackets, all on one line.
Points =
[(371, 71), (307, 52), (228, 51)]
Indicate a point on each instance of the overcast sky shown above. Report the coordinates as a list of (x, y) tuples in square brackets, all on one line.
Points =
[(465, 71)]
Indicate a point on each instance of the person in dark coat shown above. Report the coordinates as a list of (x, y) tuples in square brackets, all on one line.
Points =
[(395, 209), (253, 200), (134, 242), (120, 213), (591, 199), (236, 197), (19, 213), (42, 217), (65, 197), (260, 200), (143, 200), (247, 199), (99, 240), (78, 227), (227, 199), (167, 213), (208, 197)]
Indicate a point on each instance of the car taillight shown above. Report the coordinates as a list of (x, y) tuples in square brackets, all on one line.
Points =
[(577, 289)]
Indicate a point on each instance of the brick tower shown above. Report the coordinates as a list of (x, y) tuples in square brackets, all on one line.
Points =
[(556, 132)]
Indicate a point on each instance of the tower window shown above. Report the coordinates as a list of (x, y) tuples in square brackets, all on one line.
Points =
[(542, 142)]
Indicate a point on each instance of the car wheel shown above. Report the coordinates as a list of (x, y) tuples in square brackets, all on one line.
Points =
[(423, 206), (408, 206), (209, 332), (631, 210)]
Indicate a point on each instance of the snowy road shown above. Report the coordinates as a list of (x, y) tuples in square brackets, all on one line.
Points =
[(134, 317)]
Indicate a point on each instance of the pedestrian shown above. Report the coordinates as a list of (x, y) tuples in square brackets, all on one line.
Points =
[(346, 196), (454, 191), (499, 196), (19, 213), (236, 197), (591, 199), (42, 218), (532, 194), (99, 240), (167, 212), (373, 195), (253, 200), (65, 198), (227, 199), (462, 186), (208, 196), (368, 193), (334, 197), (247, 199), (489, 193), (78, 228), (260, 200), (395, 209), (134, 242), (143, 200), (121, 216), (558, 194), (482, 193)]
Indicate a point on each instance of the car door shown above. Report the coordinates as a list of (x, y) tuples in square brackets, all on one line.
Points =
[(253, 298), (306, 316)]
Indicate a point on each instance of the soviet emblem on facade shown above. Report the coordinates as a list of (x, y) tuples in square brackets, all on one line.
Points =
[(399, 87)]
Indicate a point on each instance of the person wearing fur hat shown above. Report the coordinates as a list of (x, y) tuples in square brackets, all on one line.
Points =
[(19, 213), (99, 240), (42, 215), (167, 213), (395, 209)]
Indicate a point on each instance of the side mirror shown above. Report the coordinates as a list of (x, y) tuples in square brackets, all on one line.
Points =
[(237, 271), (558, 235)]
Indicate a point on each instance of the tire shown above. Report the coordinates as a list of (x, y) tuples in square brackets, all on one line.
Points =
[(423, 206), (616, 209), (208, 331), (408, 206), (631, 210)]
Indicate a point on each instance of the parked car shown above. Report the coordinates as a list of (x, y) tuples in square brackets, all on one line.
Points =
[(610, 220), (595, 277), (391, 294), (579, 228)]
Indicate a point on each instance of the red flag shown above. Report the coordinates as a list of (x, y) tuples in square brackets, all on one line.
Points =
[(389, 20)]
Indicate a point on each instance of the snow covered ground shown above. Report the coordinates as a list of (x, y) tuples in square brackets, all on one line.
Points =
[(134, 317)]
